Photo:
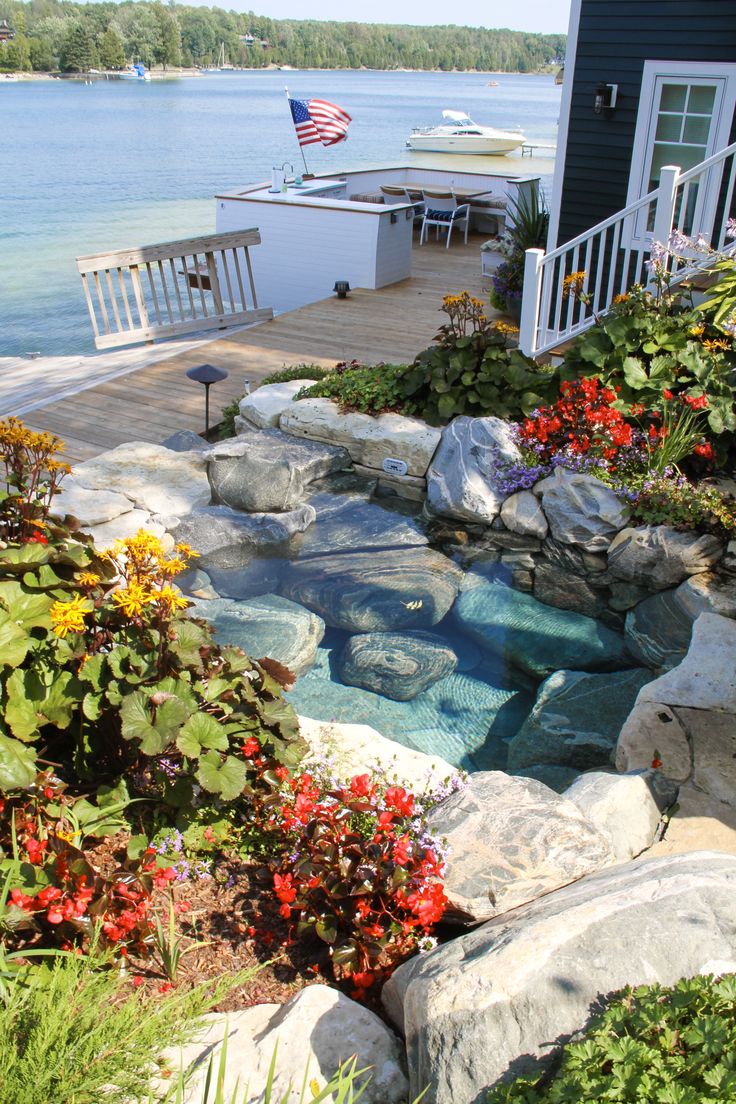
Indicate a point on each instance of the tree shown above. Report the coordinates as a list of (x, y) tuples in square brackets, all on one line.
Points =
[(78, 53), (170, 52), (42, 55), (112, 54)]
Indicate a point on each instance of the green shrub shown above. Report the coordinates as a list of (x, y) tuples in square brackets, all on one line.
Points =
[(229, 413), (296, 372), (677, 502), (670, 1045), (370, 390)]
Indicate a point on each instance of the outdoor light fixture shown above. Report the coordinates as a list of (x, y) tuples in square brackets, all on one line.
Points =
[(605, 97), (342, 287), (207, 374)]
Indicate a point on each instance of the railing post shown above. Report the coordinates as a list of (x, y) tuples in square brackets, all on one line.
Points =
[(664, 214), (531, 298)]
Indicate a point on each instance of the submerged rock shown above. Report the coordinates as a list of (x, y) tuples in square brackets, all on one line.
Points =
[(270, 626), (558, 587), (659, 629), (397, 665), (226, 538), (353, 522)]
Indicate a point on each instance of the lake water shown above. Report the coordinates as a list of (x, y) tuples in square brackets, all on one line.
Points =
[(87, 167)]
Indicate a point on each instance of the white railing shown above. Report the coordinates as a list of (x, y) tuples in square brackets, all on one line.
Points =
[(170, 289), (613, 255)]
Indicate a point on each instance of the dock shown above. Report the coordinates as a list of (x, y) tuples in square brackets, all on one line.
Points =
[(110, 400)]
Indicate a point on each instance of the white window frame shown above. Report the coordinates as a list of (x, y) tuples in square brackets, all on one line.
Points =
[(641, 152)]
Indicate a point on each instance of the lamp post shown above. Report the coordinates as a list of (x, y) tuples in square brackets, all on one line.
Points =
[(207, 374)]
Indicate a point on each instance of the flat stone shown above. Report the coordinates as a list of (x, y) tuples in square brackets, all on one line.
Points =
[(510, 841), (397, 665), (316, 1030), (626, 808), (491, 1001), (521, 513), (264, 406), (352, 522), (185, 440), (251, 580), (197, 584), (155, 478), (264, 471), (537, 638), (658, 557), (577, 719), (381, 591), (127, 525), (226, 538), (556, 587), (269, 626), (581, 510), (462, 480), (89, 507), (369, 440)]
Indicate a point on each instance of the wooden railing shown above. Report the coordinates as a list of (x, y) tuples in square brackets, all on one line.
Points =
[(614, 255), (171, 289)]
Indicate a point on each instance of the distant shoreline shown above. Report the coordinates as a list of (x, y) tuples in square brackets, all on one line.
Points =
[(176, 72)]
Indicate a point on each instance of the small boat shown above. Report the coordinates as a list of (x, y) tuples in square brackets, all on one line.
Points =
[(461, 135), (220, 62), (137, 72)]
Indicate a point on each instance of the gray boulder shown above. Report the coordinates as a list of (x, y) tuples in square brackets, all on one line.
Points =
[(658, 557), (269, 626), (581, 510), (185, 440), (556, 778), (626, 808), (492, 1001), (397, 665), (510, 841), (226, 538), (558, 587), (264, 406), (461, 479), (659, 629), (521, 513), (352, 522), (269, 470), (537, 638), (577, 719), (405, 588)]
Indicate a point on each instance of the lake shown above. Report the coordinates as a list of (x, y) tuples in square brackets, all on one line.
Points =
[(88, 167)]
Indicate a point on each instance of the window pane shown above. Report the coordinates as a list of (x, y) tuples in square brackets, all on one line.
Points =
[(673, 97), (701, 99), (665, 153), (696, 130), (669, 128)]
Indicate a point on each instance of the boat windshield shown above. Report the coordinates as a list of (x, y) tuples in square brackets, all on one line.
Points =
[(458, 117)]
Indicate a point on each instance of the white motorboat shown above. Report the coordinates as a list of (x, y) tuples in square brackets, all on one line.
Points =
[(137, 72), (461, 135)]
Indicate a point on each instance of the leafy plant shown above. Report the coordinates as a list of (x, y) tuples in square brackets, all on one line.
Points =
[(32, 474), (170, 946), (529, 220), (676, 1045), (370, 390), (297, 372), (228, 414), (678, 502)]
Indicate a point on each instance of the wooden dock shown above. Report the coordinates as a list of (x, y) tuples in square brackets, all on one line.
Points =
[(390, 325)]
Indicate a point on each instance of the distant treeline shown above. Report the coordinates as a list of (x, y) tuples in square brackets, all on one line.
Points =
[(57, 34)]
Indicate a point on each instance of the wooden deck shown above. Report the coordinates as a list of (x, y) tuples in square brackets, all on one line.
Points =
[(390, 325)]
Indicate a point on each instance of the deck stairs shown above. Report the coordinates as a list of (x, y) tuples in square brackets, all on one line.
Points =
[(615, 254)]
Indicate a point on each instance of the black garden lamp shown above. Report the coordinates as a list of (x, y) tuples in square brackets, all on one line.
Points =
[(207, 374), (342, 287)]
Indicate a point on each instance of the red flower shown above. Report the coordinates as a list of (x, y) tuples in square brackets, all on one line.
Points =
[(398, 799), (164, 876), (251, 747), (656, 763), (37, 537), (402, 851), (283, 888), (696, 402), (667, 395), (428, 904), (360, 785), (137, 980), (705, 449), (35, 849)]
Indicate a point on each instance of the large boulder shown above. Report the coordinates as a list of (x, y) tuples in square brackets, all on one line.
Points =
[(89, 507), (464, 480), (522, 514), (658, 630), (351, 522), (127, 525), (538, 639), (268, 470), (576, 719), (405, 588), (227, 538), (155, 478), (370, 441), (510, 841), (488, 1005), (264, 406), (658, 557), (581, 510), (397, 665), (316, 1031), (556, 586), (687, 717), (626, 808), (270, 626)]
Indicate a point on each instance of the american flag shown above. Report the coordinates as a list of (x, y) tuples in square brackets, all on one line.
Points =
[(319, 121)]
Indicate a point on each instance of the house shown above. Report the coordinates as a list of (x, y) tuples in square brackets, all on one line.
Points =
[(6, 33), (648, 84)]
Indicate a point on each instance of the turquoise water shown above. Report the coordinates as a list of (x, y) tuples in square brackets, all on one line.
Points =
[(87, 167)]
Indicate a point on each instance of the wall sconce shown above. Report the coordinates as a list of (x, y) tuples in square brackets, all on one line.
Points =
[(342, 287), (606, 96)]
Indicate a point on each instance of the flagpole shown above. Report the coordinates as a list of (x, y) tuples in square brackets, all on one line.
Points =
[(301, 147)]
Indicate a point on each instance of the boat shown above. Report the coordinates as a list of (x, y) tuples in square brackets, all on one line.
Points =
[(461, 135), (137, 72), (220, 62)]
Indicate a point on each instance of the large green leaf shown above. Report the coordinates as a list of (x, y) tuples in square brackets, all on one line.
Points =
[(14, 641), (17, 764), (27, 608), (189, 638), (34, 701), (201, 731), (224, 777), (136, 718)]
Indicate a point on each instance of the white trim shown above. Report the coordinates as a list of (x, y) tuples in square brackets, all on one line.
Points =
[(564, 124)]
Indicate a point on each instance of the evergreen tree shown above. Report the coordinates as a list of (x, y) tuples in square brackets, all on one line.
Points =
[(78, 53), (42, 55), (112, 54), (170, 52)]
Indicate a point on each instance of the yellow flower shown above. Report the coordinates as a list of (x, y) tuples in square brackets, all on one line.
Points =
[(621, 298), (68, 617), (68, 837), (573, 284), (716, 344), (697, 331), (171, 598), (506, 328), (133, 598), (88, 578), (186, 552), (174, 566)]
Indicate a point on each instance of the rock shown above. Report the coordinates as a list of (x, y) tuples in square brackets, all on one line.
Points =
[(257, 577), (155, 478), (185, 440), (369, 440), (576, 719), (226, 538), (89, 507), (658, 557), (356, 748), (268, 470), (626, 808), (510, 841), (397, 665), (688, 715), (268, 626), (264, 406), (197, 584), (319, 1029), (127, 525), (624, 596), (462, 480), (659, 629), (536, 638), (521, 513), (556, 587), (581, 510), (350, 523), (405, 588), (556, 778), (707, 593), (728, 563), (487, 1006)]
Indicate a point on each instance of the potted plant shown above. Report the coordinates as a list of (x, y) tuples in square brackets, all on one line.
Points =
[(528, 230)]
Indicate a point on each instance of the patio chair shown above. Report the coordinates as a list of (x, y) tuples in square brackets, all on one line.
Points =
[(442, 211), (417, 201)]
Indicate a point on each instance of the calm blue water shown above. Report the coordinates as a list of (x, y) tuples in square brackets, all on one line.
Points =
[(111, 164)]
